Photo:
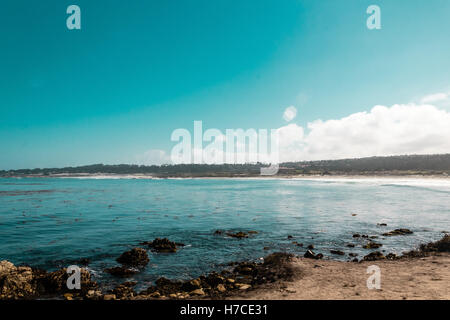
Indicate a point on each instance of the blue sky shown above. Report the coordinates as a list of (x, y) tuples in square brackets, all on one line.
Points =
[(137, 70)]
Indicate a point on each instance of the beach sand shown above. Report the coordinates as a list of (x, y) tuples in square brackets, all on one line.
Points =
[(411, 278)]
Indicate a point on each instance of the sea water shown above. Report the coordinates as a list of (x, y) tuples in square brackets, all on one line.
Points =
[(52, 222)]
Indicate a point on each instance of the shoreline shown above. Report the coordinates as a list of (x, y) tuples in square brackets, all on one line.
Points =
[(331, 177), (423, 273)]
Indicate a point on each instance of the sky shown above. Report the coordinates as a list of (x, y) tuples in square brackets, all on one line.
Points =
[(115, 90)]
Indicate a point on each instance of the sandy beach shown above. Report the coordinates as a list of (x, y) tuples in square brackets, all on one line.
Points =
[(406, 279)]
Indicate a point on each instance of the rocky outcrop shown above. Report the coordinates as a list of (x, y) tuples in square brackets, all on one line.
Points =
[(397, 232), (16, 282), (136, 257), (372, 245), (373, 256), (163, 245), (244, 276), (311, 255), (25, 282)]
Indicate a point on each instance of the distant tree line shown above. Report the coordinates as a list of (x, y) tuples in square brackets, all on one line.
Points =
[(411, 164)]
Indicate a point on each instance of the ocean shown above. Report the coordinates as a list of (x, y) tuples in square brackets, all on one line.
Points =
[(53, 222)]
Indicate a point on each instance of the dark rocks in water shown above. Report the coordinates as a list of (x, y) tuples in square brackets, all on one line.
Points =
[(163, 245), (356, 235), (266, 248), (310, 247), (382, 224), (355, 260), (311, 255), (351, 254), (397, 232), (121, 271), (338, 252), (135, 257), (372, 245), (364, 236), (373, 256), (350, 245), (129, 283), (391, 256), (298, 244), (238, 235), (290, 237), (442, 245)]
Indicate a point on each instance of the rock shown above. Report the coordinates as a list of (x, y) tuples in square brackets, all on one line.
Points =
[(163, 245), (221, 288), (173, 295), (355, 260), (350, 245), (382, 224), (121, 271), (191, 285), (374, 256), (338, 252), (353, 254), (68, 296), (311, 255), (53, 283), (109, 297), (290, 237), (214, 279), (16, 282), (230, 280), (391, 256), (372, 245), (238, 235), (134, 257), (266, 248), (243, 286), (354, 214), (356, 235), (218, 232), (397, 232), (198, 292)]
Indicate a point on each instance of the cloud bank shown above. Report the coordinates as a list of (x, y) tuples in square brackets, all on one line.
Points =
[(383, 131)]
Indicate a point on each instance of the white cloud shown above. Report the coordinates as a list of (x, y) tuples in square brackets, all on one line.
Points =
[(290, 113), (436, 97), (382, 131), (396, 130)]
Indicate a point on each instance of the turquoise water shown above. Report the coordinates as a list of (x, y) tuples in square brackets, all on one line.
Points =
[(50, 222)]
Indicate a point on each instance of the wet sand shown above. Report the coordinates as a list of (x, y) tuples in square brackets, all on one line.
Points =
[(405, 279)]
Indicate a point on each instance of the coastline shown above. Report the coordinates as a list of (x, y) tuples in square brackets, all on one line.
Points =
[(331, 177), (423, 273)]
